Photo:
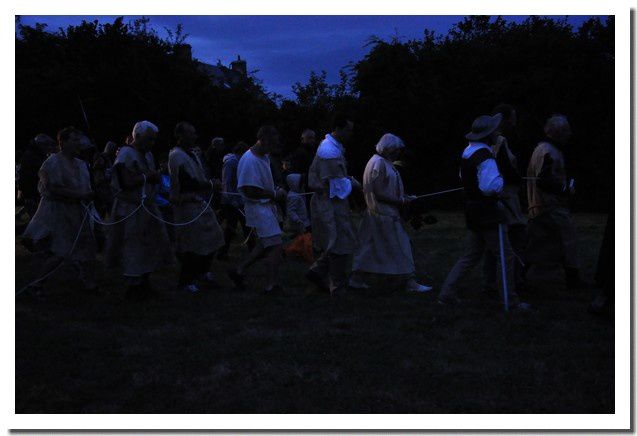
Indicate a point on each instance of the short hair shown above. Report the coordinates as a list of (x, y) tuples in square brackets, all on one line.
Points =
[(240, 147), (308, 131), (180, 128), (65, 133), (340, 120), (267, 131), (142, 127), (557, 127), (216, 141), (503, 108)]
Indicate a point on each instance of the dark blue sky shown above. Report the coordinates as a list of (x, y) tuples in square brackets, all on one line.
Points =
[(286, 48)]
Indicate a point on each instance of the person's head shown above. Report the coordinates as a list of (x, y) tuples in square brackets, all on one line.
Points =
[(218, 144), (268, 137), (390, 146), (185, 134), (342, 127), (110, 148), (144, 135), (70, 140), (509, 117), (308, 138), (163, 166), (43, 144), (240, 148), (485, 129), (558, 129)]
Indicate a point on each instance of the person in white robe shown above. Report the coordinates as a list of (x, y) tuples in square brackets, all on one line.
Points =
[(255, 182), (383, 243), (61, 225), (333, 234), (190, 190), (138, 242)]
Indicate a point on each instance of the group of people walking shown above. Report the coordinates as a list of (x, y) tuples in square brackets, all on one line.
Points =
[(315, 187)]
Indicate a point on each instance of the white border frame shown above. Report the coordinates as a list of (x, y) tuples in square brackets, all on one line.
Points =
[(619, 420)]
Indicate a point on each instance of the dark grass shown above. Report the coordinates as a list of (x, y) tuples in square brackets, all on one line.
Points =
[(304, 352)]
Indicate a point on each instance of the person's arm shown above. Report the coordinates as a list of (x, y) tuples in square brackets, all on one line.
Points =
[(257, 193), (62, 192), (509, 174), (128, 179), (546, 181), (490, 180)]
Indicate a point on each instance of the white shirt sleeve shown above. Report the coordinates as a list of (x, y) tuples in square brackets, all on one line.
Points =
[(490, 181)]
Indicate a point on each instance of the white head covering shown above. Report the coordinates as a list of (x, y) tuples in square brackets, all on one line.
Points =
[(389, 142), (141, 127)]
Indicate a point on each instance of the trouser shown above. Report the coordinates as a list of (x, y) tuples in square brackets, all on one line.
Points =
[(477, 242), (232, 215), (517, 238), (334, 267), (552, 239), (192, 266)]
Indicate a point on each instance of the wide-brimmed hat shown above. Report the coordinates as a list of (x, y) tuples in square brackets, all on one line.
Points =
[(483, 126)]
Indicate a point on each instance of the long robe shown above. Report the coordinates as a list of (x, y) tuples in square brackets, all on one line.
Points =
[(332, 229), (56, 223), (204, 236), (384, 246), (139, 244)]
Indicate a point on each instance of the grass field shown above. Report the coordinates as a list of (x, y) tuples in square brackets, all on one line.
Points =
[(303, 352)]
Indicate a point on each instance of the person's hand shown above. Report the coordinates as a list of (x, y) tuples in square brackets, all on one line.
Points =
[(571, 187), (356, 185), (407, 199), (216, 185), (280, 194)]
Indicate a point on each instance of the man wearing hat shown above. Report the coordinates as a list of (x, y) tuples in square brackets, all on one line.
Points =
[(482, 185)]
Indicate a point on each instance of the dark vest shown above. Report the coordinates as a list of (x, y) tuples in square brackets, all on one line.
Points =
[(481, 211)]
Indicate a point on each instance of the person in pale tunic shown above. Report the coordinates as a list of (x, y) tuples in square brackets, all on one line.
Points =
[(515, 218), (60, 224), (190, 190), (140, 243), (333, 233), (295, 206), (383, 243), (552, 238), (255, 182)]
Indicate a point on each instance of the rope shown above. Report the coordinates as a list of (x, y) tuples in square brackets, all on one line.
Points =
[(438, 193), (176, 224), (77, 237), (94, 215)]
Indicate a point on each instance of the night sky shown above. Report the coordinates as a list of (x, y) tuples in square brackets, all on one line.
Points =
[(285, 48)]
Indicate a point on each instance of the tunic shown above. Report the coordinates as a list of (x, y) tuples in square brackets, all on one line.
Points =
[(384, 246), (261, 214), (332, 229), (140, 243), (204, 236), (540, 200), (509, 196), (56, 222)]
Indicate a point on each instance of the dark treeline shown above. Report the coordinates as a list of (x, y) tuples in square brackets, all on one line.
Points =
[(427, 91)]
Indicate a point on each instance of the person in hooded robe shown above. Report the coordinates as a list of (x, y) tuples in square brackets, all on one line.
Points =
[(138, 242), (296, 210), (333, 233), (383, 243), (61, 225), (190, 189)]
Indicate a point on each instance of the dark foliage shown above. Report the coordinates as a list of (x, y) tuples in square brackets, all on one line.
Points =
[(427, 91)]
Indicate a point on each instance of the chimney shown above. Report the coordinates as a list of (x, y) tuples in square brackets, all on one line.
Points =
[(239, 66), (183, 52)]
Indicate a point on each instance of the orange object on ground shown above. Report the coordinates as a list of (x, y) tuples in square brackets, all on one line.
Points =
[(301, 247)]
